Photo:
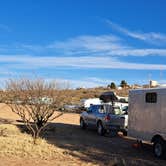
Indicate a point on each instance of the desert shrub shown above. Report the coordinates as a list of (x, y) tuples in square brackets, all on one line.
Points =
[(34, 101)]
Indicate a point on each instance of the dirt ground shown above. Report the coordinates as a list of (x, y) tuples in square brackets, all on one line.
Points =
[(83, 147)]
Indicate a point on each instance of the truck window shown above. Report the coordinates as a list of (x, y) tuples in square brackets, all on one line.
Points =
[(101, 110), (117, 111), (151, 97)]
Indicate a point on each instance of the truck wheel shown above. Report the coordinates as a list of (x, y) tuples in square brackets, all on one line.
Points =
[(159, 148), (82, 124), (100, 129)]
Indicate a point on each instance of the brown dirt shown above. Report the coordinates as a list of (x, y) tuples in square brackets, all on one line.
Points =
[(82, 147)]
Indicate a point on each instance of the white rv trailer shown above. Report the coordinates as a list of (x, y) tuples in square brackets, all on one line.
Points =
[(147, 117)]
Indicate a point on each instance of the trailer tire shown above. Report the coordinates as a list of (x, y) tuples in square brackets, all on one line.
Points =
[(159, 148)]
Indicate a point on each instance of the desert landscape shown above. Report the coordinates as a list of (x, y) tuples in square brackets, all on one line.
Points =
[(68, 65), (64, 143)]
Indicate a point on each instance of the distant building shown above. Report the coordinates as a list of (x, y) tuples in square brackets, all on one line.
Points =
[(146, 86), (153, 83), (162, 85), (136, 86), (119, 88)]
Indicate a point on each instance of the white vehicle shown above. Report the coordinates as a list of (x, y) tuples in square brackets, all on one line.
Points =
[(147, 117), (91, 101)]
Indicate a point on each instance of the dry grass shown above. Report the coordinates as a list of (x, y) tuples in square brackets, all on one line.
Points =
[(72, 96), (65, 144), (15, 143), (17, 148)]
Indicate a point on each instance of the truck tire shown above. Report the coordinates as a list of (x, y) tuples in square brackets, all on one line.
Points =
[(100, 128), (82, 124), (159, 148)]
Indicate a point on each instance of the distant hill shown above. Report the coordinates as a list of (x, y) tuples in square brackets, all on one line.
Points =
[(74, 96)]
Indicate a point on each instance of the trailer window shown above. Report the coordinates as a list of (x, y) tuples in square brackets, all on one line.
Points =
[(151, 97)]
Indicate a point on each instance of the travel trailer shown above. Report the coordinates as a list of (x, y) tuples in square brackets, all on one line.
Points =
[(147, 117)]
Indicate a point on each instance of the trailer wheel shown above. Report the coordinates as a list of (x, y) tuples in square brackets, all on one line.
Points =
[(159, 148)]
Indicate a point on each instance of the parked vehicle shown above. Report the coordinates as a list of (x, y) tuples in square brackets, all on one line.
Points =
[(147, 117), (104, 117), (87, 102)]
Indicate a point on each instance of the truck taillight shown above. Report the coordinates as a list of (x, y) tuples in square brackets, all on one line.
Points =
[(107, 118)]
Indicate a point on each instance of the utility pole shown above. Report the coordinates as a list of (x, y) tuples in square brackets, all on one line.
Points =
[(149, 78), (161, 73)]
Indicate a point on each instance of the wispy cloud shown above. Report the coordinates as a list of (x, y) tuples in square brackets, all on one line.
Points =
[(83, 52), (138, 52), (90, 43), (102, 45), (80, 52), (85, 82), (150, 37), (74, 83), (29, 62)]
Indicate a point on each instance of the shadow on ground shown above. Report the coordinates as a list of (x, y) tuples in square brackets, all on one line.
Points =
[(88, 146), (105, 150)]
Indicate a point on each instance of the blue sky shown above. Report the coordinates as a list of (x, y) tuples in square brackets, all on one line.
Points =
[(86, 43)]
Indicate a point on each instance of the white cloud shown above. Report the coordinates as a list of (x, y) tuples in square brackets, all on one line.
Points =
[(85, 82), (30, 62), (92, 43), (102, 45), (81, 83), (84, 52), (150, 37), (137, 52)]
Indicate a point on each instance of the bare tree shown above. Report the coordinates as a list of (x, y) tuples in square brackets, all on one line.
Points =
[(34, 101)]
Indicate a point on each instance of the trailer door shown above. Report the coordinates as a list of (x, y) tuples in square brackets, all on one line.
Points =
[(163, 115)]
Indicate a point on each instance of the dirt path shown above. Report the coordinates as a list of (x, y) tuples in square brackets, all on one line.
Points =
[(84, 147)]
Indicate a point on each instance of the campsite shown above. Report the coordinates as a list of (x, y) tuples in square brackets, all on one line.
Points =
[(73, 146), (82, 83)]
